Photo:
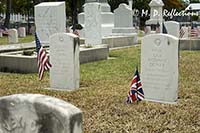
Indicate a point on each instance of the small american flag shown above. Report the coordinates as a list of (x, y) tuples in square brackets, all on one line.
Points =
[(194, 31), (157, 28), (181, 32), (43, 61), (136, 92)]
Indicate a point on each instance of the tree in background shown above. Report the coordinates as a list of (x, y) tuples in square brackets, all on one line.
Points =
[(115, 3), (173, 4), (8, 10)]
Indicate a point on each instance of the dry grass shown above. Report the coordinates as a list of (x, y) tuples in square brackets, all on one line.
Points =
[(102, 96)]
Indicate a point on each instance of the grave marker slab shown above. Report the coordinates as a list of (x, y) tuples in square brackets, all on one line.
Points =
[(93, 24), (173, 28), (22, 32), (50, 18), (13, 36), (159, 67), (64, 57), (34, 113)]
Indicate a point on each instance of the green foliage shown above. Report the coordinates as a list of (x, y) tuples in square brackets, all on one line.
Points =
[(115, 3)]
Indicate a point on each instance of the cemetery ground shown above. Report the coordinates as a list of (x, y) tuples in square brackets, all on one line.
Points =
[(103, 91)]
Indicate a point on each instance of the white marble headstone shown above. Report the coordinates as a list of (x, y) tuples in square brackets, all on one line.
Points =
[(35, 113), (156, 13), (64, 57), (173, 28), (12, 36), (50, 18), (159, 67), (93, 35), (22, 32), (123, 16)]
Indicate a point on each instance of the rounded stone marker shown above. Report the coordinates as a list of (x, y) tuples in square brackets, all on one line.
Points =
[(35, 113)]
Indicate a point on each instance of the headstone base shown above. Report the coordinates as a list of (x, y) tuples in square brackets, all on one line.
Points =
[(122, 30)]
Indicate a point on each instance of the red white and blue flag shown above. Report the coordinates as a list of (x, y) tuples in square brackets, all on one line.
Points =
[(181, 32), (194, 31), (136, 92), (43, 61)]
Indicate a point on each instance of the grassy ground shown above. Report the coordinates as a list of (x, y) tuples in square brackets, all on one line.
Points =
[(103, 90), (28, 38)]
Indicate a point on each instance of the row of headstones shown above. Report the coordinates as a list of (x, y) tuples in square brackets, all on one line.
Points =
[(173, 28), (13, 34), (34, 113), (159, 65), (159, 59), (15, 17), (26, 113), (50, 18)]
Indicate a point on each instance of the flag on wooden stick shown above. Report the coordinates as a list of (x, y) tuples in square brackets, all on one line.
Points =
[(43, 61), (136, 92)]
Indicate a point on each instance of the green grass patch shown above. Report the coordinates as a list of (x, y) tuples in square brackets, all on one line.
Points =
[(103, 91), (28, 38)]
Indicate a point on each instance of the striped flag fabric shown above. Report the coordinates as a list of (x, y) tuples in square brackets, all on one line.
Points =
[(194, 31), (42, 59), (157, 28), (136, 92), (181, 32)]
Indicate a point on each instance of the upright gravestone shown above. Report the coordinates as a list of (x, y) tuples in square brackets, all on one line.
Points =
[(50, 18), (64, 57), (173, 28), (34, 113), (1, 34), (107, 18), (22, 32), (159, 67), (12, 36), (156, 13), (93, 24), (123, 20)]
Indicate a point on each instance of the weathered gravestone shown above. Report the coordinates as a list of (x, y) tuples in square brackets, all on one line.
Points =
[(22, 32), (13, 36), (159, 67), (173, 28), (64, 57), (34, 113), (93, 24), (1, 34), (50, 18), (156, 13), (123, 20)]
